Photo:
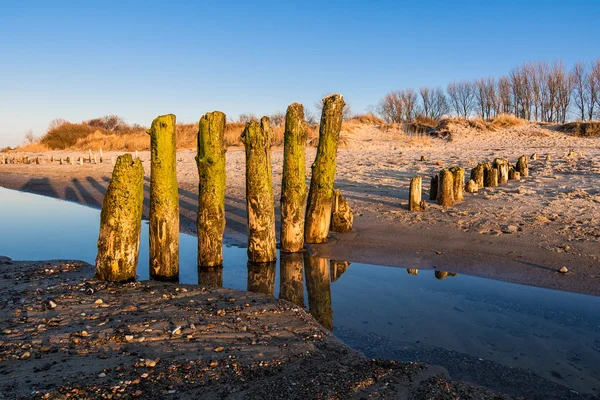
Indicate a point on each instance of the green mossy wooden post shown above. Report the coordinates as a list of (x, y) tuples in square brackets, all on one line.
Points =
[(458, 175), (257, 139), (261, 277), (445, 196), (164, 200), (318, 211), (210, 161), (121, 222), (293, 185), (318, 287), (291, 278), (210, 276)]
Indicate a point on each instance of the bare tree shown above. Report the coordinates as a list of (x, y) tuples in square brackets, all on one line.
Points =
[(30, 138), (580, 78), (277, 118), (55, 123), (462, 98), (390, 107), (504, 98), (434, 102), (346, 111), (594, 90), (485, 96), (247, 117), (409, 104)]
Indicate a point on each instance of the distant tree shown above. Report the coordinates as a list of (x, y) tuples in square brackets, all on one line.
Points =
[(462, 98), (277, 118), (434, 102), (310, 117), (390, 107), (30, 138), (55, 123), (110, 123), (245, 118), (503, 94), (346, 112), (594, 90), (485, 96)]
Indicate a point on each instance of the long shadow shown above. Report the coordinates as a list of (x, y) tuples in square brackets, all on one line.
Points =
[(40, 186), (86, 197)]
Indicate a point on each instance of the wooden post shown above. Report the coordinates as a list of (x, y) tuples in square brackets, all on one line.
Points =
[(51, 159), (478, 174), (522, 167), (491, 179), (318, 286), (80, 160), (337, 269), (291, 278), (514, 175), (101, 156), (210, 161), (433, 190), (257, 139), (414, 195), (445, 196), (210, 276), (73, 161), (112, 160), (503, 167), (60, 161), (121, 222), (137, 155), (90, 156), (261, 277), (95, 159), (318, 212), (458, 176), (37, 160), (164, 200), (471, 187), (341, 214), (534, 156), (293, 184)]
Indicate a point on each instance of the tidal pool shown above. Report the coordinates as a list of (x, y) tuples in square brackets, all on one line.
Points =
[(466, 324)]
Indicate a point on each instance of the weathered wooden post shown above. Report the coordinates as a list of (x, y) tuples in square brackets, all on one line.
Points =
[(164, 200), (101, 156), (478, 174), (471, 187), (342, 218), (51, 159), (257, 139), (318, 212), (445, 196), (534, 156), (90, 156), (261, 277), (95, 159), (514, 175), (80, 160), (433, 190), (522, 167), (458, 175), (337, 269), (210, 276), (60, 161), (503, 167), (37, 160), (73, 161), (293, 184), (491, 179), (318, 286), (414, 195), (291, 278), (121, 222), (210, 161)]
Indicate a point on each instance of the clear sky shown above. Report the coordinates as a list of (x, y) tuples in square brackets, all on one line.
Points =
[(138, 59)]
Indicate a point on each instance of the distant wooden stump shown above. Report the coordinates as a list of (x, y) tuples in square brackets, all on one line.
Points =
[(534, 156), (503, 167)]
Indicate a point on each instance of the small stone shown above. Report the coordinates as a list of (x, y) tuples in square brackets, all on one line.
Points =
[(99, 301), (51, 304), (219, 349), (101, 375), (84, 334), (172, 391), (150, 363), (25, 355), (510, 229), (563, 270), (141, 339), (129, 338), (213, 364)]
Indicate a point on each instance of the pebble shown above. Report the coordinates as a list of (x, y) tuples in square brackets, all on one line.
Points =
[(51, 304), (25, 355), (84, 334), (129, 338), (563, 270), (101, 375), (150, 363), (99, 301)]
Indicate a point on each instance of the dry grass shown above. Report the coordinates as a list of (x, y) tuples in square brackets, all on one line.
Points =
[(365, 119), (32, 147), (506, 121), (585, 129)]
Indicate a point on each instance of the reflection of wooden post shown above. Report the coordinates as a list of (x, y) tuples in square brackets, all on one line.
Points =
[(164, 200), (440, 275), (318, 287), (293, 184), (261, 277), (412, 271), (210, 161), (341, 214), (291, 278), (210, 276), (318, 212), (337, 269), (458, 176), (257, 140), (446, 188), (121, 222), (433, 190), (414, 195)]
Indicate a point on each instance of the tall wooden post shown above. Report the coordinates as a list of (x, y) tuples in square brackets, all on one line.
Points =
[(121, 222), (503, 167), (414, 195), (458, 175), (257, 139), (291, 278), (318, 286), (164, 200), (318, 212), (211, 190), (261, 277), (293, 185), (445, 196)]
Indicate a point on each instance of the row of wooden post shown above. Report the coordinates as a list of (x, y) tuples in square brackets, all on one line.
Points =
[(67, 160), (448, 186), (302, 219)]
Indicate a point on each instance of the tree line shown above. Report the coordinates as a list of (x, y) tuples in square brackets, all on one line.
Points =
[(535, 91)]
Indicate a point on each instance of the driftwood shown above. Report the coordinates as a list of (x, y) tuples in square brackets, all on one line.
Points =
[(210, 160), (164, 199), (320, 194), (121, 222)]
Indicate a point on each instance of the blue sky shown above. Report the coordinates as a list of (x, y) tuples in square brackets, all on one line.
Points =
[(82, 59)]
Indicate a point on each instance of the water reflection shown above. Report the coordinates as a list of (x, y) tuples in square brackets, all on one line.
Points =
[(291, 275), (261, 277), (412, 271), (318, 286), (441, 275), (337, 268), (210, 276)]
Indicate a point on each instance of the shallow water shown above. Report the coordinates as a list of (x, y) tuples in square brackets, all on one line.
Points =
[(454, 321)]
